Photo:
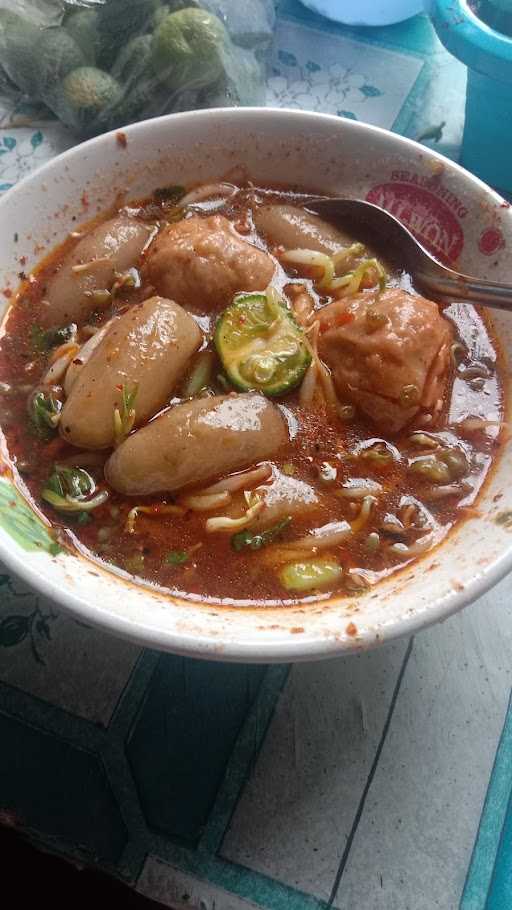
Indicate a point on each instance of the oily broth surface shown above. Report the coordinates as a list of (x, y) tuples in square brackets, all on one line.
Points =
[(214, 571)]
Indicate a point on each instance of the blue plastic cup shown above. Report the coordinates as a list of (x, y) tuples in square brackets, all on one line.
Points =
[(487, 139)]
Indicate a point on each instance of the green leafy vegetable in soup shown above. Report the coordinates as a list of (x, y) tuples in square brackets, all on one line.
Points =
[(254, 540), (176, 558), (70, 490), (45, 411)]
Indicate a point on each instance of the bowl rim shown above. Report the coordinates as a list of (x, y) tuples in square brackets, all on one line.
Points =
[(299, 648)]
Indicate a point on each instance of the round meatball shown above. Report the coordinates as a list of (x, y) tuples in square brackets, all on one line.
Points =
[(203, 262)]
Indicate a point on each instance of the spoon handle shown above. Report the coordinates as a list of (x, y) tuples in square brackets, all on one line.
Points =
[(449, 285)]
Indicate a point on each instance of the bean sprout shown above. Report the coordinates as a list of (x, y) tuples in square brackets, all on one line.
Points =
[(415, 549), (312, 259), (59, 367), (155, 510), (364, 514), (309, 384), (87, 266), (450, 489), (474, 424), (325, 537), (206, 502), (207, 192), (224, 523), (359, 488), (245, 481)]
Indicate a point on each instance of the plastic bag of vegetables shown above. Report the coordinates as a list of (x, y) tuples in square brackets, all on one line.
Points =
[(99, 64)]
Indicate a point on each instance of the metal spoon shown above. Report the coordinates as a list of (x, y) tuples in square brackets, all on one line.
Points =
[(428, 274)]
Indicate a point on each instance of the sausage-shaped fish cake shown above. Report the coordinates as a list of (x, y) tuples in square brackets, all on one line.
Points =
[(114, 246), (195, 442), (293, 228), (145, 352)]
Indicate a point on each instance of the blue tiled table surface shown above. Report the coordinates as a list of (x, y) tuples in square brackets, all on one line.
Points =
[(357, 783)]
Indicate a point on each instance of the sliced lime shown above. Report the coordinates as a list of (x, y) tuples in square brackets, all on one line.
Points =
[(261, 346)]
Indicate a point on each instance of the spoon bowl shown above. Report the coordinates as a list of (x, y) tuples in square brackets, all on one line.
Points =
[(429, 275)]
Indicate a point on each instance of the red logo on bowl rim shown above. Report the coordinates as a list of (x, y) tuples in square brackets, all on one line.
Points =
[(427, 216), (491, 240)]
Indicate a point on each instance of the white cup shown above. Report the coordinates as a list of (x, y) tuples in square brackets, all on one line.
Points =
[(366, 12)]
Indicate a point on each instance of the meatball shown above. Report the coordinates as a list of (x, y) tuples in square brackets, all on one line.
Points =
[(389, 354), (203, 262)]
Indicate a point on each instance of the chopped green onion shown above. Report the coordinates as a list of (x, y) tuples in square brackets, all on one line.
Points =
[(379, 454), (42, 341), (83, 518), (431, 468), (310, 574), (44, 412), (71, 481), (176, 557), (456, 462), (443, 467), (38, 339), (255, 541), (67, 490), (124, 419), (200, 375), (374, 319)]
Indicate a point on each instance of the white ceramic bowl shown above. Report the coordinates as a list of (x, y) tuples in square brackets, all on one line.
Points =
[(452, 210)]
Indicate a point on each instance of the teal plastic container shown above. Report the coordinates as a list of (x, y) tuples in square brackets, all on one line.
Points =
[(487, 141)]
